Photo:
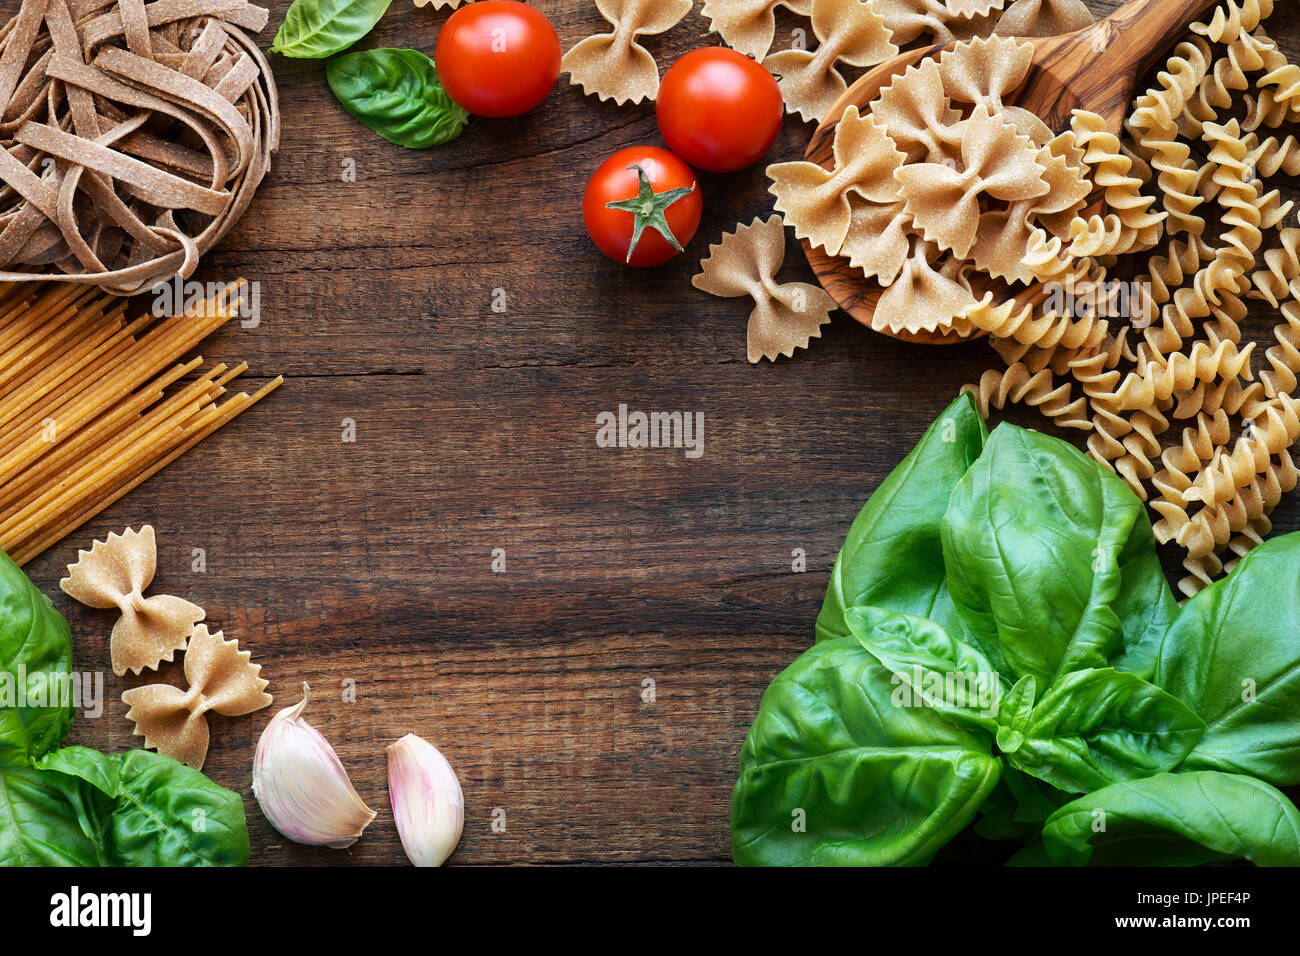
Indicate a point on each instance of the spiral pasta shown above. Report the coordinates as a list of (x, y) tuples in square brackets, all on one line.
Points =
[(1233, 17), (1017, 385)]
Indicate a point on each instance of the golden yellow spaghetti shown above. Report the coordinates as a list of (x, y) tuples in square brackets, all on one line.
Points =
[(92, 404)]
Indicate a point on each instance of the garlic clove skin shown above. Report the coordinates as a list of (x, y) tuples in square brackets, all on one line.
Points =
[(427, 800), (301, 786)]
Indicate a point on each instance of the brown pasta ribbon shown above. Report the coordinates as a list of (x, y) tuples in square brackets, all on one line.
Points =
[(221, 678), (134, 136)]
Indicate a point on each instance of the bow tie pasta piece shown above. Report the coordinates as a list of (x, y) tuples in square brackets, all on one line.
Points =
[(915, 111), (1043, 18), (944, 202), (749, 25), (1005, 235), (987, 70), (221, 679), (1068, 176), (746, 262), (816, 200), (909, 19), (114, 573), (613, 65), (847, 31), (973, 9), (439, 4), (879, 241), (923, 298), (984, 71)]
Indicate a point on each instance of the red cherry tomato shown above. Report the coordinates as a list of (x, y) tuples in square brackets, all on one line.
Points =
[(660, 198), (719, 110), (498, 57)]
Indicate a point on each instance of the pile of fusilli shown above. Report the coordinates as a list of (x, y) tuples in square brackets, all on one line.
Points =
[(1171, 402)]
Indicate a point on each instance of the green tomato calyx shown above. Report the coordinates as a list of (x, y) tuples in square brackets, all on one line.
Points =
[(648, 207)]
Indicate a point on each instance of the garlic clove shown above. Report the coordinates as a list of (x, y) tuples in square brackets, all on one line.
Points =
[(428, 804), (301, 786)]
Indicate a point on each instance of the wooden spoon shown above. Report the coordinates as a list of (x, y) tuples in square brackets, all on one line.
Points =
[(1097, 68)]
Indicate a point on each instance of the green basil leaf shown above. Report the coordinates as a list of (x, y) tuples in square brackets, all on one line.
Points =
[(1100, 726), (39, 826), (157, 811), (937, 671), (1234, 655), (892, 557), (1051, 561), (1177, 819), (35, 667), (397, 94), (313, 29), (1013, 715), (832, 772)]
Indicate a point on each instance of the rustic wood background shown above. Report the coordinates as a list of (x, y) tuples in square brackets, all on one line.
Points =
[(370, 562)]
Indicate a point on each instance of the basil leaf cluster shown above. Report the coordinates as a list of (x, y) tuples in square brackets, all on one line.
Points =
[(999, 646), (75, 806)]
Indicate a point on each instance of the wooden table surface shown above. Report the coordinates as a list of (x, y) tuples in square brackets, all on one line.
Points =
[(594, 696)]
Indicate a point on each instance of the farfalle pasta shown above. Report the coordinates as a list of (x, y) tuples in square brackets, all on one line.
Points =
[(847, 31), (1043, 18), (749, 25), (1113, 274), (928, 296), (943, 199), (785, 315), (221, 678), (614, 65), (115, 573), (817, 201)]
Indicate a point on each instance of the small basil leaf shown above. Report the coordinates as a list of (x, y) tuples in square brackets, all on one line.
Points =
[(1096, 727), (1234, 655), (936, 670), (170, 815), (314, 29), (833, 773), (397, 94), (1176, 819), (35, 667), (1049, 557), (892, 557), (39, 825)]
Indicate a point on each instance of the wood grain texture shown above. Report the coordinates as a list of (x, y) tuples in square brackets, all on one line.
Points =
[(371, 561)]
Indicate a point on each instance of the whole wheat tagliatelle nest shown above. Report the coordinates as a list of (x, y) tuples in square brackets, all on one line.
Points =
[(133, 135)]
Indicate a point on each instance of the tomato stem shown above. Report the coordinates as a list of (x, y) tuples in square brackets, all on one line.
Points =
[(648, 207)]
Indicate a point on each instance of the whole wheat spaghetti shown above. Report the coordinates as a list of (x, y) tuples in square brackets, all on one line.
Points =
[(93, 403)]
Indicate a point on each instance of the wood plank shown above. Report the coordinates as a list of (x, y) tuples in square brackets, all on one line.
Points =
[(371, 561)]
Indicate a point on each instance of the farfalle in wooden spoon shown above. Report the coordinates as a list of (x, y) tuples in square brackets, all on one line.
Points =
[(816, 201), (943, 199)]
